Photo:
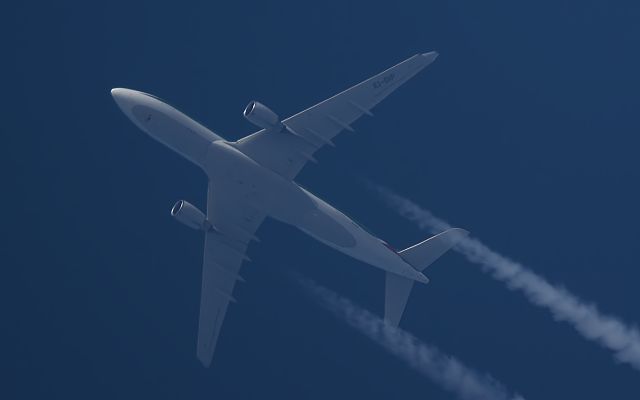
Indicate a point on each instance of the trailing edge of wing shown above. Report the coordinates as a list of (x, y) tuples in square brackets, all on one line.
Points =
[(224, 253)]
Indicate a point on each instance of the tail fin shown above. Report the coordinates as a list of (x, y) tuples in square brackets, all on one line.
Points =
[(420, 256), (396, 294)]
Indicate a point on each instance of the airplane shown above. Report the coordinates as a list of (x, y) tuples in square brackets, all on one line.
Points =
[(253, 178)]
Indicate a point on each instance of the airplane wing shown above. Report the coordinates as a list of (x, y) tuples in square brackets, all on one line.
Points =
[(288, 151), (235, 222)]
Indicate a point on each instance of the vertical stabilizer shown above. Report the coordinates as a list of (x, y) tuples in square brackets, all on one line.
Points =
[(397, 290)]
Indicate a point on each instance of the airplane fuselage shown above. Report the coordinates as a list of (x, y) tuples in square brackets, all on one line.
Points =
[(285, 201), (281, 198)]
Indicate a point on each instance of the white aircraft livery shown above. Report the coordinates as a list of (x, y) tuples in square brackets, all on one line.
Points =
[(253, 178)]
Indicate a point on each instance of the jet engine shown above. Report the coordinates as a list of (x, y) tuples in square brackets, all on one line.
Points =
[(189, 215), (260, 115)]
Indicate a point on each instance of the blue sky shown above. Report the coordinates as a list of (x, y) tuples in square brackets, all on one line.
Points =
[(524, 131)]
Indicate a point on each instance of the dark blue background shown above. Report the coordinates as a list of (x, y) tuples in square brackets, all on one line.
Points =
[(524, 131)]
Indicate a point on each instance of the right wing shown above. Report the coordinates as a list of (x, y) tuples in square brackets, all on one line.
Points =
[(287, 152), (235, 221)]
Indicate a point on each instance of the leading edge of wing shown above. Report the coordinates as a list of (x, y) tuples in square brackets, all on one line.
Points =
[(288, 151), (421, 60)]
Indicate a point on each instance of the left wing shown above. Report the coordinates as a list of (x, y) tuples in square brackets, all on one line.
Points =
[(288, 151), (234, 223)]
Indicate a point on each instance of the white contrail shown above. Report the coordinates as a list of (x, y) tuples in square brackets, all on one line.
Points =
[(610, 332), (444, 370)]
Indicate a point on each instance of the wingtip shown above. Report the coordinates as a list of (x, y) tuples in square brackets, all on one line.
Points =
[(431, 55), (204, 360)]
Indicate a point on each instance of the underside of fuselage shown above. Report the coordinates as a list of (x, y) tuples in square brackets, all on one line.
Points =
[(286, 201)]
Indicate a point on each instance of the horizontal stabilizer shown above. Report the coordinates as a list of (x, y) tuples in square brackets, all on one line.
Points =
[(423, 254), (420, 256)]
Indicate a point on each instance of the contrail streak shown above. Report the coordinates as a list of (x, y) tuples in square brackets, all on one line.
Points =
[(608, 331), (444, 370)]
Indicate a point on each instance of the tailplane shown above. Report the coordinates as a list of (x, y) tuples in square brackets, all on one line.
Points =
[(419, 256), (423, 254)]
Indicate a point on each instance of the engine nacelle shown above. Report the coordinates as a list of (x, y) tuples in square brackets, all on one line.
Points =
[(260, 115), (189, 215)]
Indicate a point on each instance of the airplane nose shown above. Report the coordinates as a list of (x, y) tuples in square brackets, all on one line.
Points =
[(118, 94), (125, 99)]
